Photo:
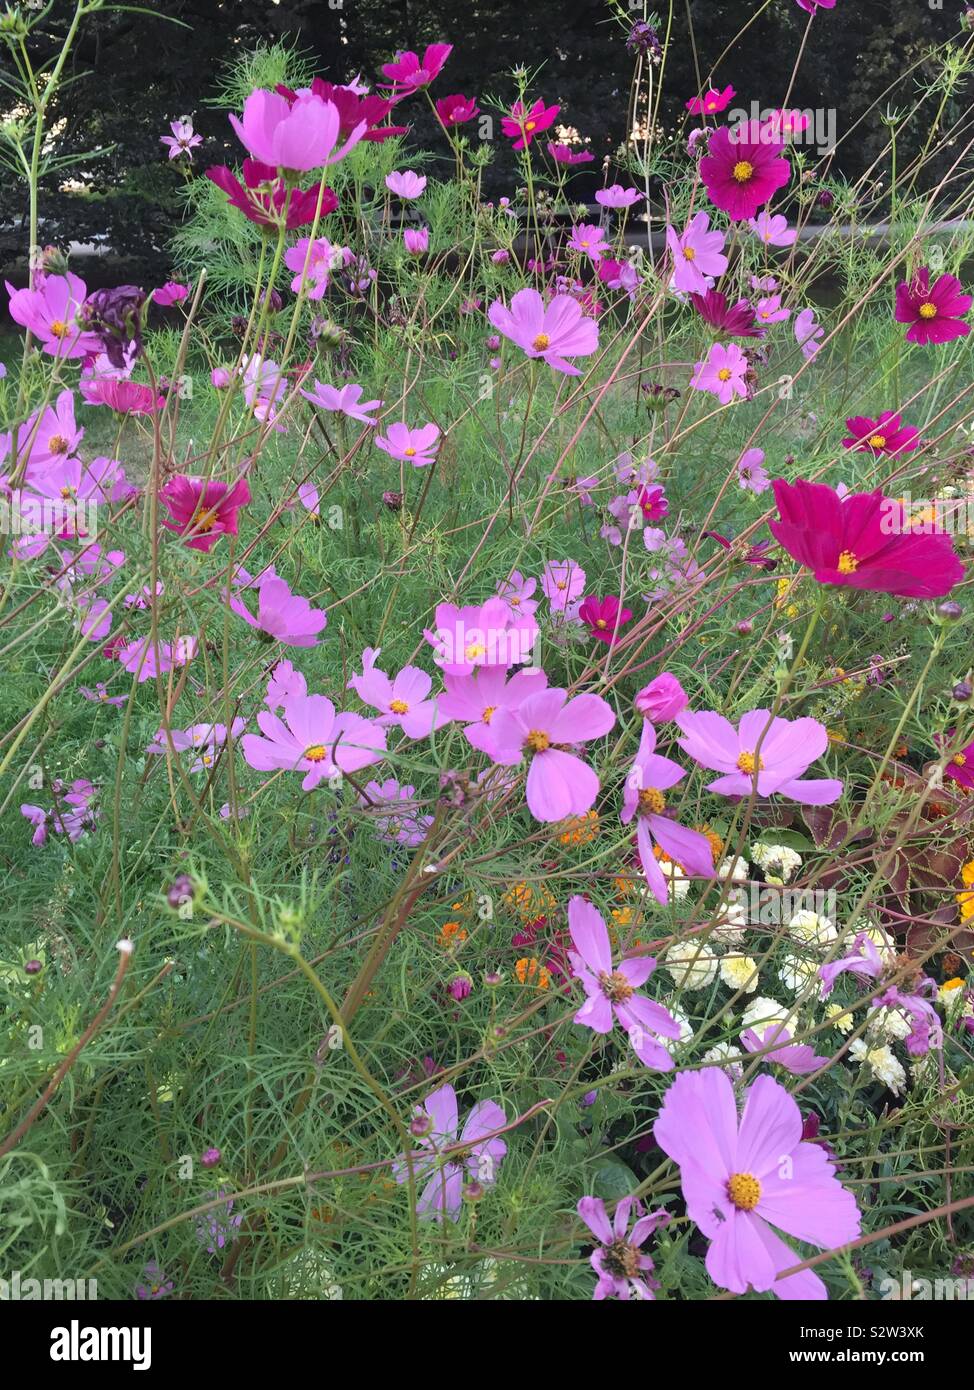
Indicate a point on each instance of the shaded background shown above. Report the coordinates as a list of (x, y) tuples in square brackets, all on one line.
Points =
[(133, 72)]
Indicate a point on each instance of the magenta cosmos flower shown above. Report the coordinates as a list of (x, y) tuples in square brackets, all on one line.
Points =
[(354, 106), (418, 447), (50, 313), (621, 1267), (477, 1156), (552, 332), (267, 200), (603, 617), (480, 635), (295, 136), (343, 400), (743, 169), (712, 102), (813, 6), (312, 739), (457, 109), (862, 541), (565, 154), (734, 320), (651, 776), (662, 700), (286, 617), (203, 511), (960, 769), (697, 255), (741, 1178), (788, 747), (545, 728), (124, 397), (523, 125), (934, 312), (887, 435), (611, 990), (723, 373), (409, 73)]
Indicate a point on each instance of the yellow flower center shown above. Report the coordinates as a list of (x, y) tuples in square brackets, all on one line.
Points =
[(689, 254), (744, 1190), (410, 453), (616, 987), (652, 802), (724, 374), (488, 713), (621, 1259), (848, 563), (541, 342), (317, 753), (57, 444), (206, 520), (529, 125), (67, 492), (878, 441), (537, 741), (959, 759), (399, 706), (747, 763), (743, 170), (601, 623), (928, 310), (474, 650), (59, 328)]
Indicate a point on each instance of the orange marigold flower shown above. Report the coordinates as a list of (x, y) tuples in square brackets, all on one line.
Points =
[(529, 971), (580, 830)]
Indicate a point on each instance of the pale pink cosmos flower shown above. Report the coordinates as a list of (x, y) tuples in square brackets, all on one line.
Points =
[(396, 816), (145, 660), (312, 739), (406, 184), (562, 582), (623, 1271), (777, 751), (401, 700), (298, 135), (751, 475), (285, 616), (516, 593), (807, 332), (473, 700), (770, 310), (343, 400), (543, 728), (552, 332), (797, 1058), (698, 255), (418, 447), (651, 776), (183, 139), (478, 635), (588, 240), (285, 680), (722, 373), (742, 1177), (773, 229), (611, 989), (416, 240), (324, 260), (617, 197), (205, 740)]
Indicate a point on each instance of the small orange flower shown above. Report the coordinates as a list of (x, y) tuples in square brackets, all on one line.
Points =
[(580, 830), (530, 972), (451, 934), (529, 901)]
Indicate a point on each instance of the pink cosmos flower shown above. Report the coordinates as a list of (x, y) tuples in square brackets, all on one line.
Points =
[(50, 311), (615, 196), (476, 1156), (712, 102), (203, 511), (285, 681), (750, 472), (406, 184), (603, 617), (416, 240), (662, 700), (813, 6), (401, 700), (170, 293), (588, 240), (475, 636), (723, 373), (399, 821), (408, 73), (621, 1268), (322, 263), (770, 310), (619, 275), (344, 400), (474, 699), (354, 104), (457, 109), (807, 332), (562, 582), (697, 255), (268, 200), (312, 739), (295, 136), (145, 660), (934, 312), (864, 541), (51, 437), (418, 447), (798, 1058), (565, 154), (960, 769), (611, 990), (542, 728), (183, 139), (887, 435), (787, 749), (286, 617), (523, 125), (101, 696), (773, 229), (124, 397), (742, 1177), (743, 169), (552, 332), (652, 775), (205, 740), (864, 961), (516, 593)]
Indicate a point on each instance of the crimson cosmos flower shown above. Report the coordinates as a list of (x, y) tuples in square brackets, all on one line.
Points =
[(602, 616), (852, 542), (934, 312), (737, 321), (887, 435), (352, 109), (262, 196)]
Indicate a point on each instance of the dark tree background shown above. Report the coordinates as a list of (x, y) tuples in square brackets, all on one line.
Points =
[(133, 72)]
